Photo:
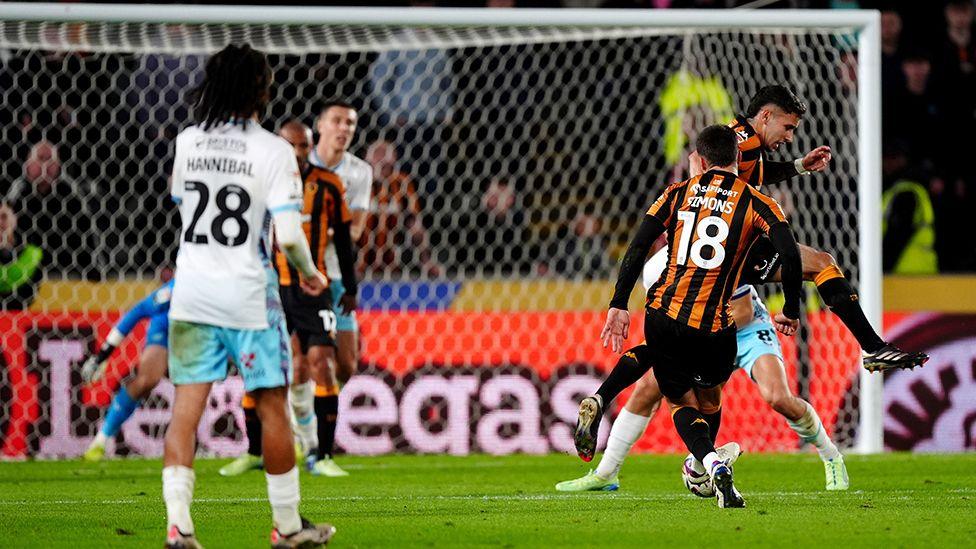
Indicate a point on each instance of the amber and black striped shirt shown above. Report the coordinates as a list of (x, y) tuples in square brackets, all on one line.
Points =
[(711, 220), (323, 207), (752, 163)]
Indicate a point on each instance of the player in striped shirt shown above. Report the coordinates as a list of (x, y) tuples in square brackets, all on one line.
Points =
[(711, 221), (771, 120), (759, 356), (329, 225), (299, 136), (330, 357)]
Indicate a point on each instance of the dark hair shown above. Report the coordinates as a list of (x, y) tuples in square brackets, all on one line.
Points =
[(916, 53), (236, 83), (718, 145), (781, 96), (328, 104), (293, 122)]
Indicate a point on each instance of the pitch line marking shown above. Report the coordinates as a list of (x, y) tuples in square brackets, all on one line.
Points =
[(473, 497)]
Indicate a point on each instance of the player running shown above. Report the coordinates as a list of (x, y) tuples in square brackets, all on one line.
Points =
[(771, 119), (230, 177), (152, 364), (759, 355), (711, 220)]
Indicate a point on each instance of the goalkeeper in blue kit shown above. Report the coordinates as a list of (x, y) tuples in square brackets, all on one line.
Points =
[(151, 369)]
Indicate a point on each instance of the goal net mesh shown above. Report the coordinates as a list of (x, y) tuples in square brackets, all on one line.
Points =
[(511, 165)]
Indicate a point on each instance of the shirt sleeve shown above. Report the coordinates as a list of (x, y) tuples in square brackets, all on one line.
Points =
[(176, 179), (633, 262), (284, 180), (766, 211), (776, 172), (358, 193), (144, 309), (663, 207), (342, 209)]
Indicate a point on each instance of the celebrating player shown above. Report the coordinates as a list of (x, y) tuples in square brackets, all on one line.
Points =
[(711, 221), (759, 355), (230, 176), (771, 119), (152, 364)]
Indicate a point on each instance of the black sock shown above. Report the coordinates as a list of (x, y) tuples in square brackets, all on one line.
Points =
[(714, 422), (693, 429), (252, 426), (326, 410), (840, 296), (627, 371)]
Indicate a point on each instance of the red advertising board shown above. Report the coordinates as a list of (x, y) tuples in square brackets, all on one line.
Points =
[(461, 382)]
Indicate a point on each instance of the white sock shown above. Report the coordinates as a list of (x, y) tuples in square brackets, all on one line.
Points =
[(302, 399), (626, 431), (711, 460), (303, 410), (283, 493), (100, 439), (178, 494), (811, 429)]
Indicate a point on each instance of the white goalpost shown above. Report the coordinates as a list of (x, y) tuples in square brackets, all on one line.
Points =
[(574, 118)]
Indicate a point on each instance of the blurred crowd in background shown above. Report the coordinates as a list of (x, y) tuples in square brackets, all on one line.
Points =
[(69, 163)]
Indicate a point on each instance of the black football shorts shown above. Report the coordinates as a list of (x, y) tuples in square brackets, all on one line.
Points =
[(685, 358), (309, 317), (762, 262)]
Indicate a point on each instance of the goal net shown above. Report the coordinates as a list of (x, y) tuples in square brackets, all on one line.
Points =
[(511, 165)]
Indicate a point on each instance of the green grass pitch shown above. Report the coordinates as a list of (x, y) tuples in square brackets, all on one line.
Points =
[(896, 500)]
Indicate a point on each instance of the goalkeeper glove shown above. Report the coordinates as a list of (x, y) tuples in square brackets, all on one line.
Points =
[(94, 368)]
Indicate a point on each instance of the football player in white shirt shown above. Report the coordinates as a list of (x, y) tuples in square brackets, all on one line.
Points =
[(336, 126), (759, 355), (229, 177)]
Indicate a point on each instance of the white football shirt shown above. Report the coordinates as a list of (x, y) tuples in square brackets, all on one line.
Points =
[(227, 180), (357, 178), (655, 267)]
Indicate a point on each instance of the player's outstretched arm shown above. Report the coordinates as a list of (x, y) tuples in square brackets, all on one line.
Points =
[(94, 367), (615, 330), (816, 160), (291, 239)]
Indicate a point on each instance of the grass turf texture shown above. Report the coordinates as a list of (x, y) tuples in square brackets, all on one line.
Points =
[(895, 500)]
